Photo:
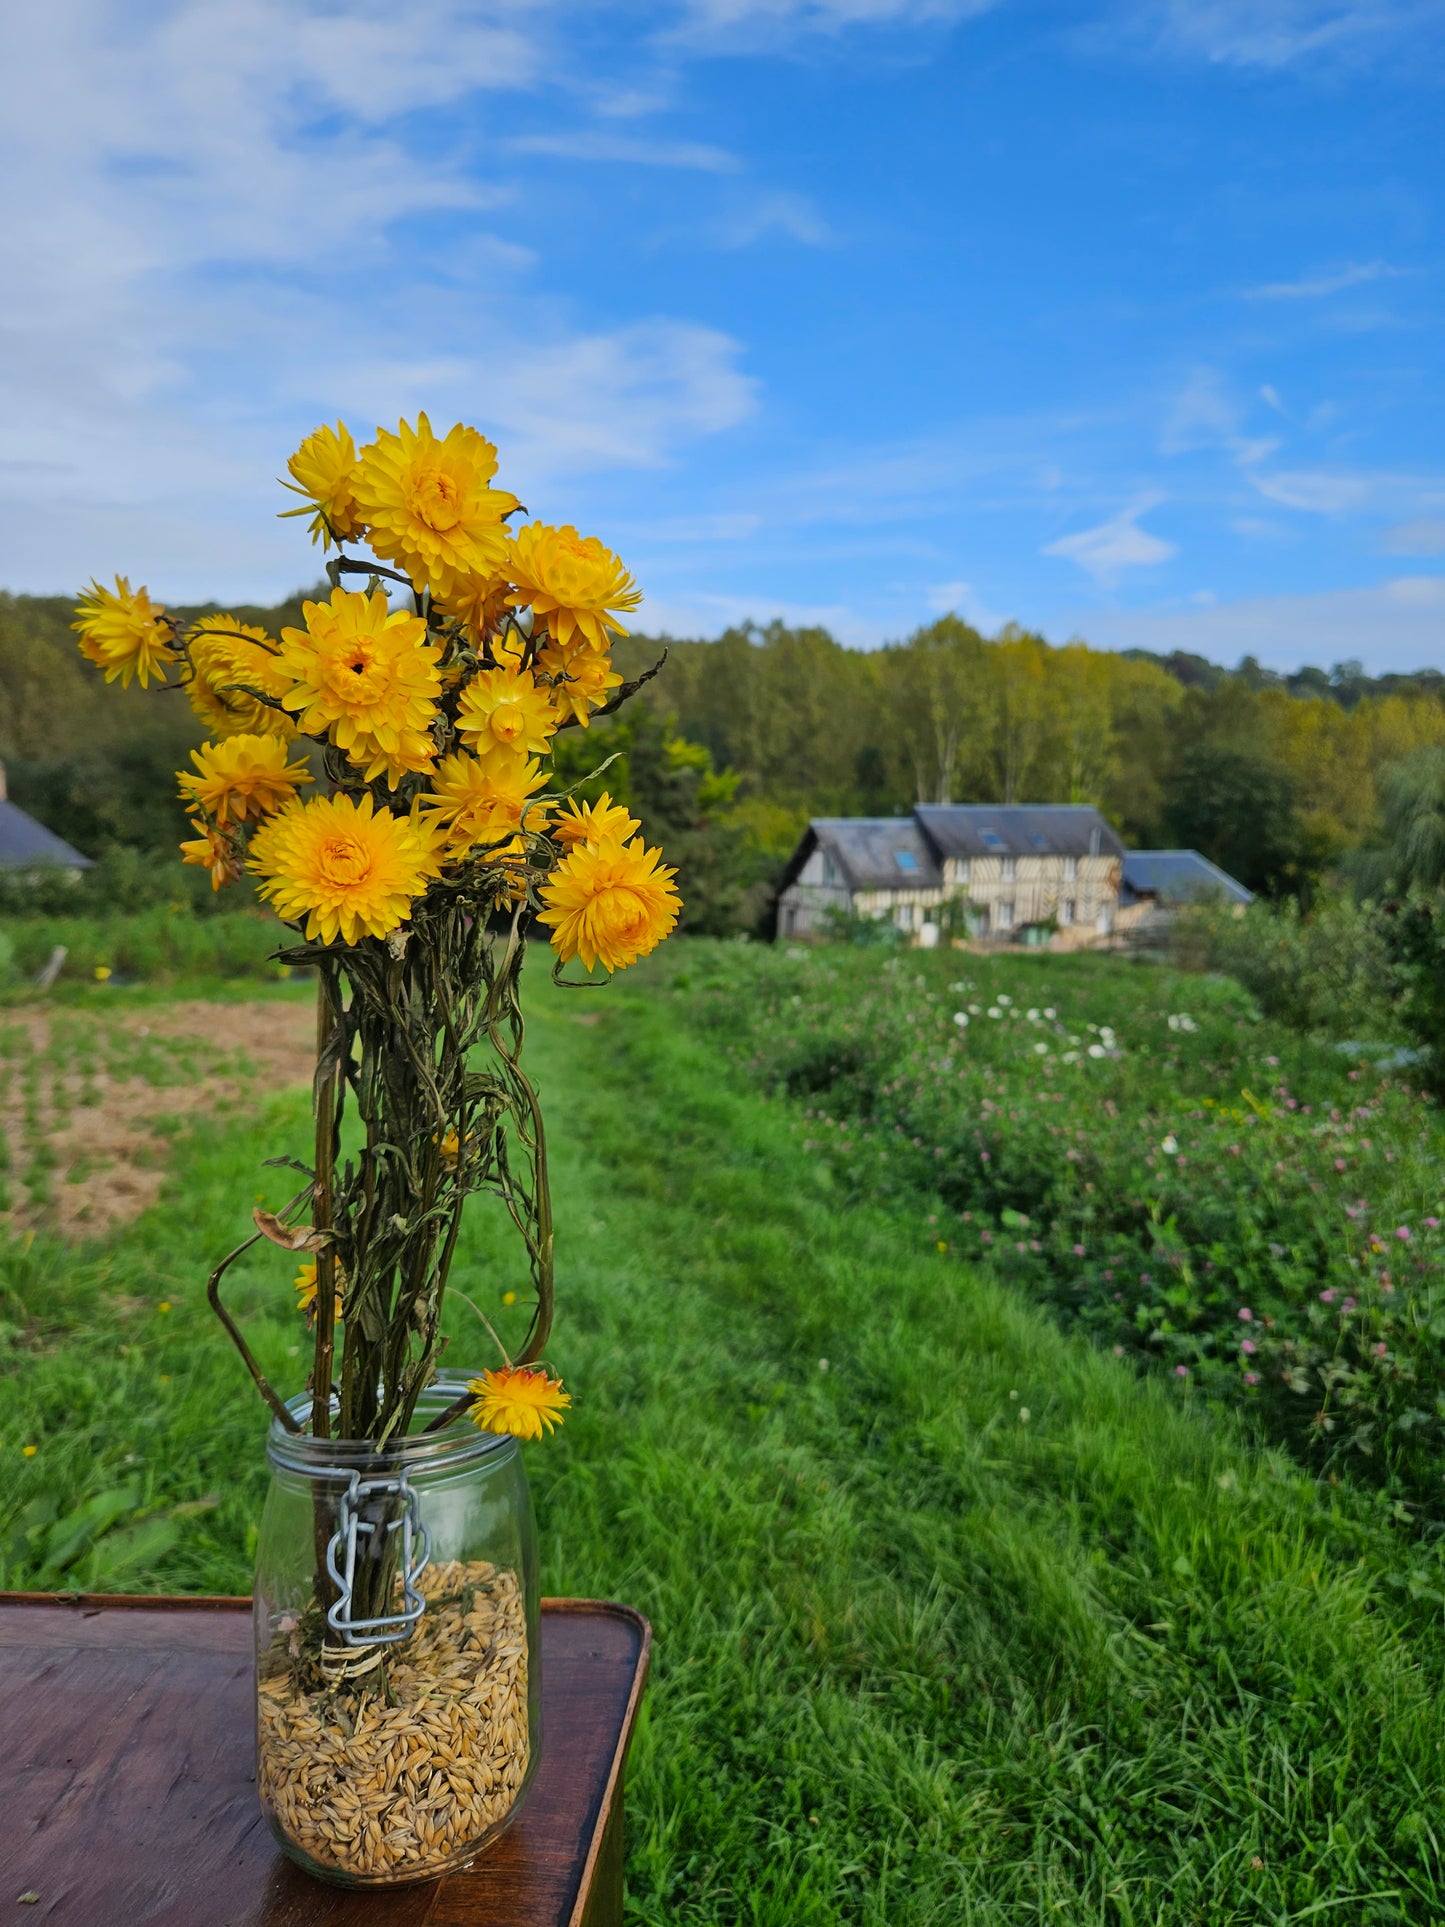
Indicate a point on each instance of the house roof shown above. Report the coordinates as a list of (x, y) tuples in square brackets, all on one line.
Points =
[(25, 844), (1178, 876), (873, 852), (1018, 829)]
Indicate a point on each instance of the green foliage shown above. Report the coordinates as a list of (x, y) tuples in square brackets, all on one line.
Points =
[(1254, 1213), (152, 946), (1240, 808), (685, 806), (1412, 935), (122, 881), (1324, 970), (969, 1626)]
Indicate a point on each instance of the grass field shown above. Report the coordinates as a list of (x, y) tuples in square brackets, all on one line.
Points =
[(959, 1619)]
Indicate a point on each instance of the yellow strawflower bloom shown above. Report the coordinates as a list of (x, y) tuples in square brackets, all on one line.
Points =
[(349, 870), (322, 469), (242, 777), (121, 632), (210, 850), (483, 800), (590, 822), (226, 654), (588, 679), (570, 582), (610, 902), (520, 1400), (504, 709), (429, 506), (365, 675), (304, 1284), (479, 602)]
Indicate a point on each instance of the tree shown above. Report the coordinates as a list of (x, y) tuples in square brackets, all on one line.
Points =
[(1239, 808)]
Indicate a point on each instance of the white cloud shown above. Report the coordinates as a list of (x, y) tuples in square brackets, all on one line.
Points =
[(1424, 536), (227, 236), (1391, 625), (1316, 288), (1114, 546), (1318, 493)]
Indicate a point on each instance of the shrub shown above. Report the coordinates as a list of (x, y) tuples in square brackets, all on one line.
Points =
[(1325, 970)]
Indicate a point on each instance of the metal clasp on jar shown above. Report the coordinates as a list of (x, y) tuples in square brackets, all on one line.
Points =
[(341, 1557)]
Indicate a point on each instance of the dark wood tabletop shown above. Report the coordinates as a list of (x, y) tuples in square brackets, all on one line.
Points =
[(128, 1786)]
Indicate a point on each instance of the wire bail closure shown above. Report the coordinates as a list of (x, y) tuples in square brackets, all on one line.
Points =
[(341, 1558)]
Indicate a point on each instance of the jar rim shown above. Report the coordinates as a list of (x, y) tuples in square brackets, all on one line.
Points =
[(458, 1444)]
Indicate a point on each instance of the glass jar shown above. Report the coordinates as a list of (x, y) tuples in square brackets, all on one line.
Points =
[(397, 1680)]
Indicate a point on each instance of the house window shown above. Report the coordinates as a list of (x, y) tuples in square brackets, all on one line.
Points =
[(905, 859), (960, 869), (1010, 869), (1004, 919), (1071, 868), (1067, 911), (830, 869)]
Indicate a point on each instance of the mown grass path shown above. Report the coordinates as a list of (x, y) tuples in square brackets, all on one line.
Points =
[(921, 1658)]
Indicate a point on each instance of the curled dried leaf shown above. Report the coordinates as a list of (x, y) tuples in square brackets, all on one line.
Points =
[(290, 1237)]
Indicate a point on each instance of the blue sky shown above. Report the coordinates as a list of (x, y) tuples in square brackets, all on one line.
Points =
[(1119, 320)]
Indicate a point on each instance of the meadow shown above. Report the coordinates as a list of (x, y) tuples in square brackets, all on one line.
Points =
[(961, 1616)]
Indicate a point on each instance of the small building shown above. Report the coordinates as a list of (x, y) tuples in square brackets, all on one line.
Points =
[(1174, 879), (28, 845), (991, 870)]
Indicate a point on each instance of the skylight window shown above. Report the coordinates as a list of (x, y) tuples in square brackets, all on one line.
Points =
[(905, 859), (990, 839)]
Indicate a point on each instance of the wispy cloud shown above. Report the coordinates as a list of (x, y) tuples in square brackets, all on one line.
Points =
[(582, 145), (1275, 34), (1316, 493), (730, 18), (793, 216), (1317, 287), (1113, 547)]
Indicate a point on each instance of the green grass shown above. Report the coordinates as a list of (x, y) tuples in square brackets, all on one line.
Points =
[(921, 1658)]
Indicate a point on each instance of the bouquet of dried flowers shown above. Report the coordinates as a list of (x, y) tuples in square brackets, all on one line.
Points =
[(383, 772)]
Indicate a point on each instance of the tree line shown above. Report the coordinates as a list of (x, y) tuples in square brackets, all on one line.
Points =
[(1283, 781)]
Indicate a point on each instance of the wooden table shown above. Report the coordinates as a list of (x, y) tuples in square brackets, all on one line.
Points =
[(128, 1788)]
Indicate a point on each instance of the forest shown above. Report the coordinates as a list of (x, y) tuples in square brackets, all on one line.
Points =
[(1286, 782)]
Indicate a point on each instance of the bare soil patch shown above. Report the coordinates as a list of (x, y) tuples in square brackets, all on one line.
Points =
[(88, 1101)]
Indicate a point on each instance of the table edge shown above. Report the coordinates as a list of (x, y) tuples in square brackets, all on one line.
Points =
[(232, 1602)]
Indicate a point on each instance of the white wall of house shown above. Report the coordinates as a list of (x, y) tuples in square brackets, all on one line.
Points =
[(1080, 893)]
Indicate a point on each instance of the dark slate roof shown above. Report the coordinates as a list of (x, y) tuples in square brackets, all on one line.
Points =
[(1018, 829), (867, 850), (24, 843), (1178, 876)]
